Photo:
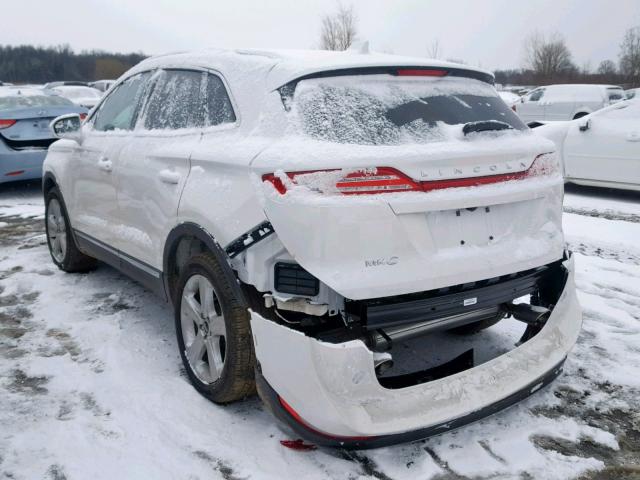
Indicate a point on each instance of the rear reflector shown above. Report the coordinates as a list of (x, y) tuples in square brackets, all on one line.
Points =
[(390, 180), (417, 72), (6, 123), (14, 173), (296, 416)]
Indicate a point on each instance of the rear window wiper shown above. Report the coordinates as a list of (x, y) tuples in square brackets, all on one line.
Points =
[(485, 126)]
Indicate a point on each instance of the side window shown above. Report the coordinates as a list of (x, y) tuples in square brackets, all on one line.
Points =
[(218, 109), (176, 101), (536, 95), (118, 110)]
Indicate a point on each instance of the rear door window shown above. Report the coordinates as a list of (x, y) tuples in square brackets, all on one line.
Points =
[(185, 99), (218, 108), (118, 111), (176, 101)]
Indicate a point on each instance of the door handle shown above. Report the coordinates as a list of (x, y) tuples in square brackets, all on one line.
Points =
[(169, 176), (633, 137), (105, 164)]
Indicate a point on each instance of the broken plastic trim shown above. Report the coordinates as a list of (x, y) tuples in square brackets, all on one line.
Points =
[(247, 240), (274, 402)]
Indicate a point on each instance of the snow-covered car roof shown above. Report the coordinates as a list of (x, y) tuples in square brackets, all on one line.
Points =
[(252, 75), (283, 66), (10, 91)]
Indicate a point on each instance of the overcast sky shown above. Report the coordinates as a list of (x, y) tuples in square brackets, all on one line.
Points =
[(486, 33)]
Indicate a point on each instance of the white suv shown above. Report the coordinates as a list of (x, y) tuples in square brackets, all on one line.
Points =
[(307, 212), (566, 102)]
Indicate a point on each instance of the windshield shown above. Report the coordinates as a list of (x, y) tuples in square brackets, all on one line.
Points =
[(22, 101), (384, 110), (615, 94)]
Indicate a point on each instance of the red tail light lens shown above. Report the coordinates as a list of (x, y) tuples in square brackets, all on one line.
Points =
[(83, 116), (417, 72), (389, 180), (379, 180), (375, 180), (6, 123)]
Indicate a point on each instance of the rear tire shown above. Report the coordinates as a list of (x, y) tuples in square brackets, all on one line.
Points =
[(472, 328), (62, 246), (213, 330)]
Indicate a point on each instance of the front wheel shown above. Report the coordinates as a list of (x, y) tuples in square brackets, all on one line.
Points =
[(214, 336)]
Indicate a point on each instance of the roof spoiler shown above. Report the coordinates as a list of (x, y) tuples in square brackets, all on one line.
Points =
[(288, 89)]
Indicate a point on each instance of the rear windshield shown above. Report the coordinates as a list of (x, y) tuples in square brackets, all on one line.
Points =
[(23, 101), (385, 110)]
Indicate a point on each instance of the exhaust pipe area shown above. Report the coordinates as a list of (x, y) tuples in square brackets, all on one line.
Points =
[(529, 314)]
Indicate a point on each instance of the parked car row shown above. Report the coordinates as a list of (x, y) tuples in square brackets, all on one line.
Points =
[(566, 102), (602, 148), (25, 115)]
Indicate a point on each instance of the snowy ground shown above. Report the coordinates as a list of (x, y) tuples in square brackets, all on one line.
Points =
[(91, 385)]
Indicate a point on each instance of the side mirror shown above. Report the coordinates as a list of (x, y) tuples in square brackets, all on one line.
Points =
[(67, 126), (521, 99), (584, 125)]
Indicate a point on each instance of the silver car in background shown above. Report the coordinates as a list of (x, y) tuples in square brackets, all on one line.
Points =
[(25, 114)]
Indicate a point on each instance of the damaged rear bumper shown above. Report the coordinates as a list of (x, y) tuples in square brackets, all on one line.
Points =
[(329, 393)]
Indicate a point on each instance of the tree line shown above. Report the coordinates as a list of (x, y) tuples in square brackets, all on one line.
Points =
[(547, 58), (29, 64)]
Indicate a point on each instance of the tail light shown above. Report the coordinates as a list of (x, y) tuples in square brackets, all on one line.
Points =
[(83, 116), (513, 107), (419, 72), (6, 123), (390, 180), (373, 180)]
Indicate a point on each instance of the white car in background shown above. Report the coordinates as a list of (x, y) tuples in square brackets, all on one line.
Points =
[(509, 98), (307, 212), (566, 102), (631, 93), (601, 149), (87, 97), (102, 85)]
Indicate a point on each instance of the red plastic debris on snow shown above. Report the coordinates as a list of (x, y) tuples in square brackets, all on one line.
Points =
[(298, 445)]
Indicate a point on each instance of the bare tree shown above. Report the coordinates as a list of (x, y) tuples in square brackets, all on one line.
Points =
[(548, 57), (607, 68), (434, 50), (338, 29), (630, 55)]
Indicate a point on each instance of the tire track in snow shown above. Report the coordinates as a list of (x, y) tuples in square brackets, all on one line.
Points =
[(607, 252), (608, 214)]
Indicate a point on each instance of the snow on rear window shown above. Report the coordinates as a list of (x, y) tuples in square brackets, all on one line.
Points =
[(383, 110)]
